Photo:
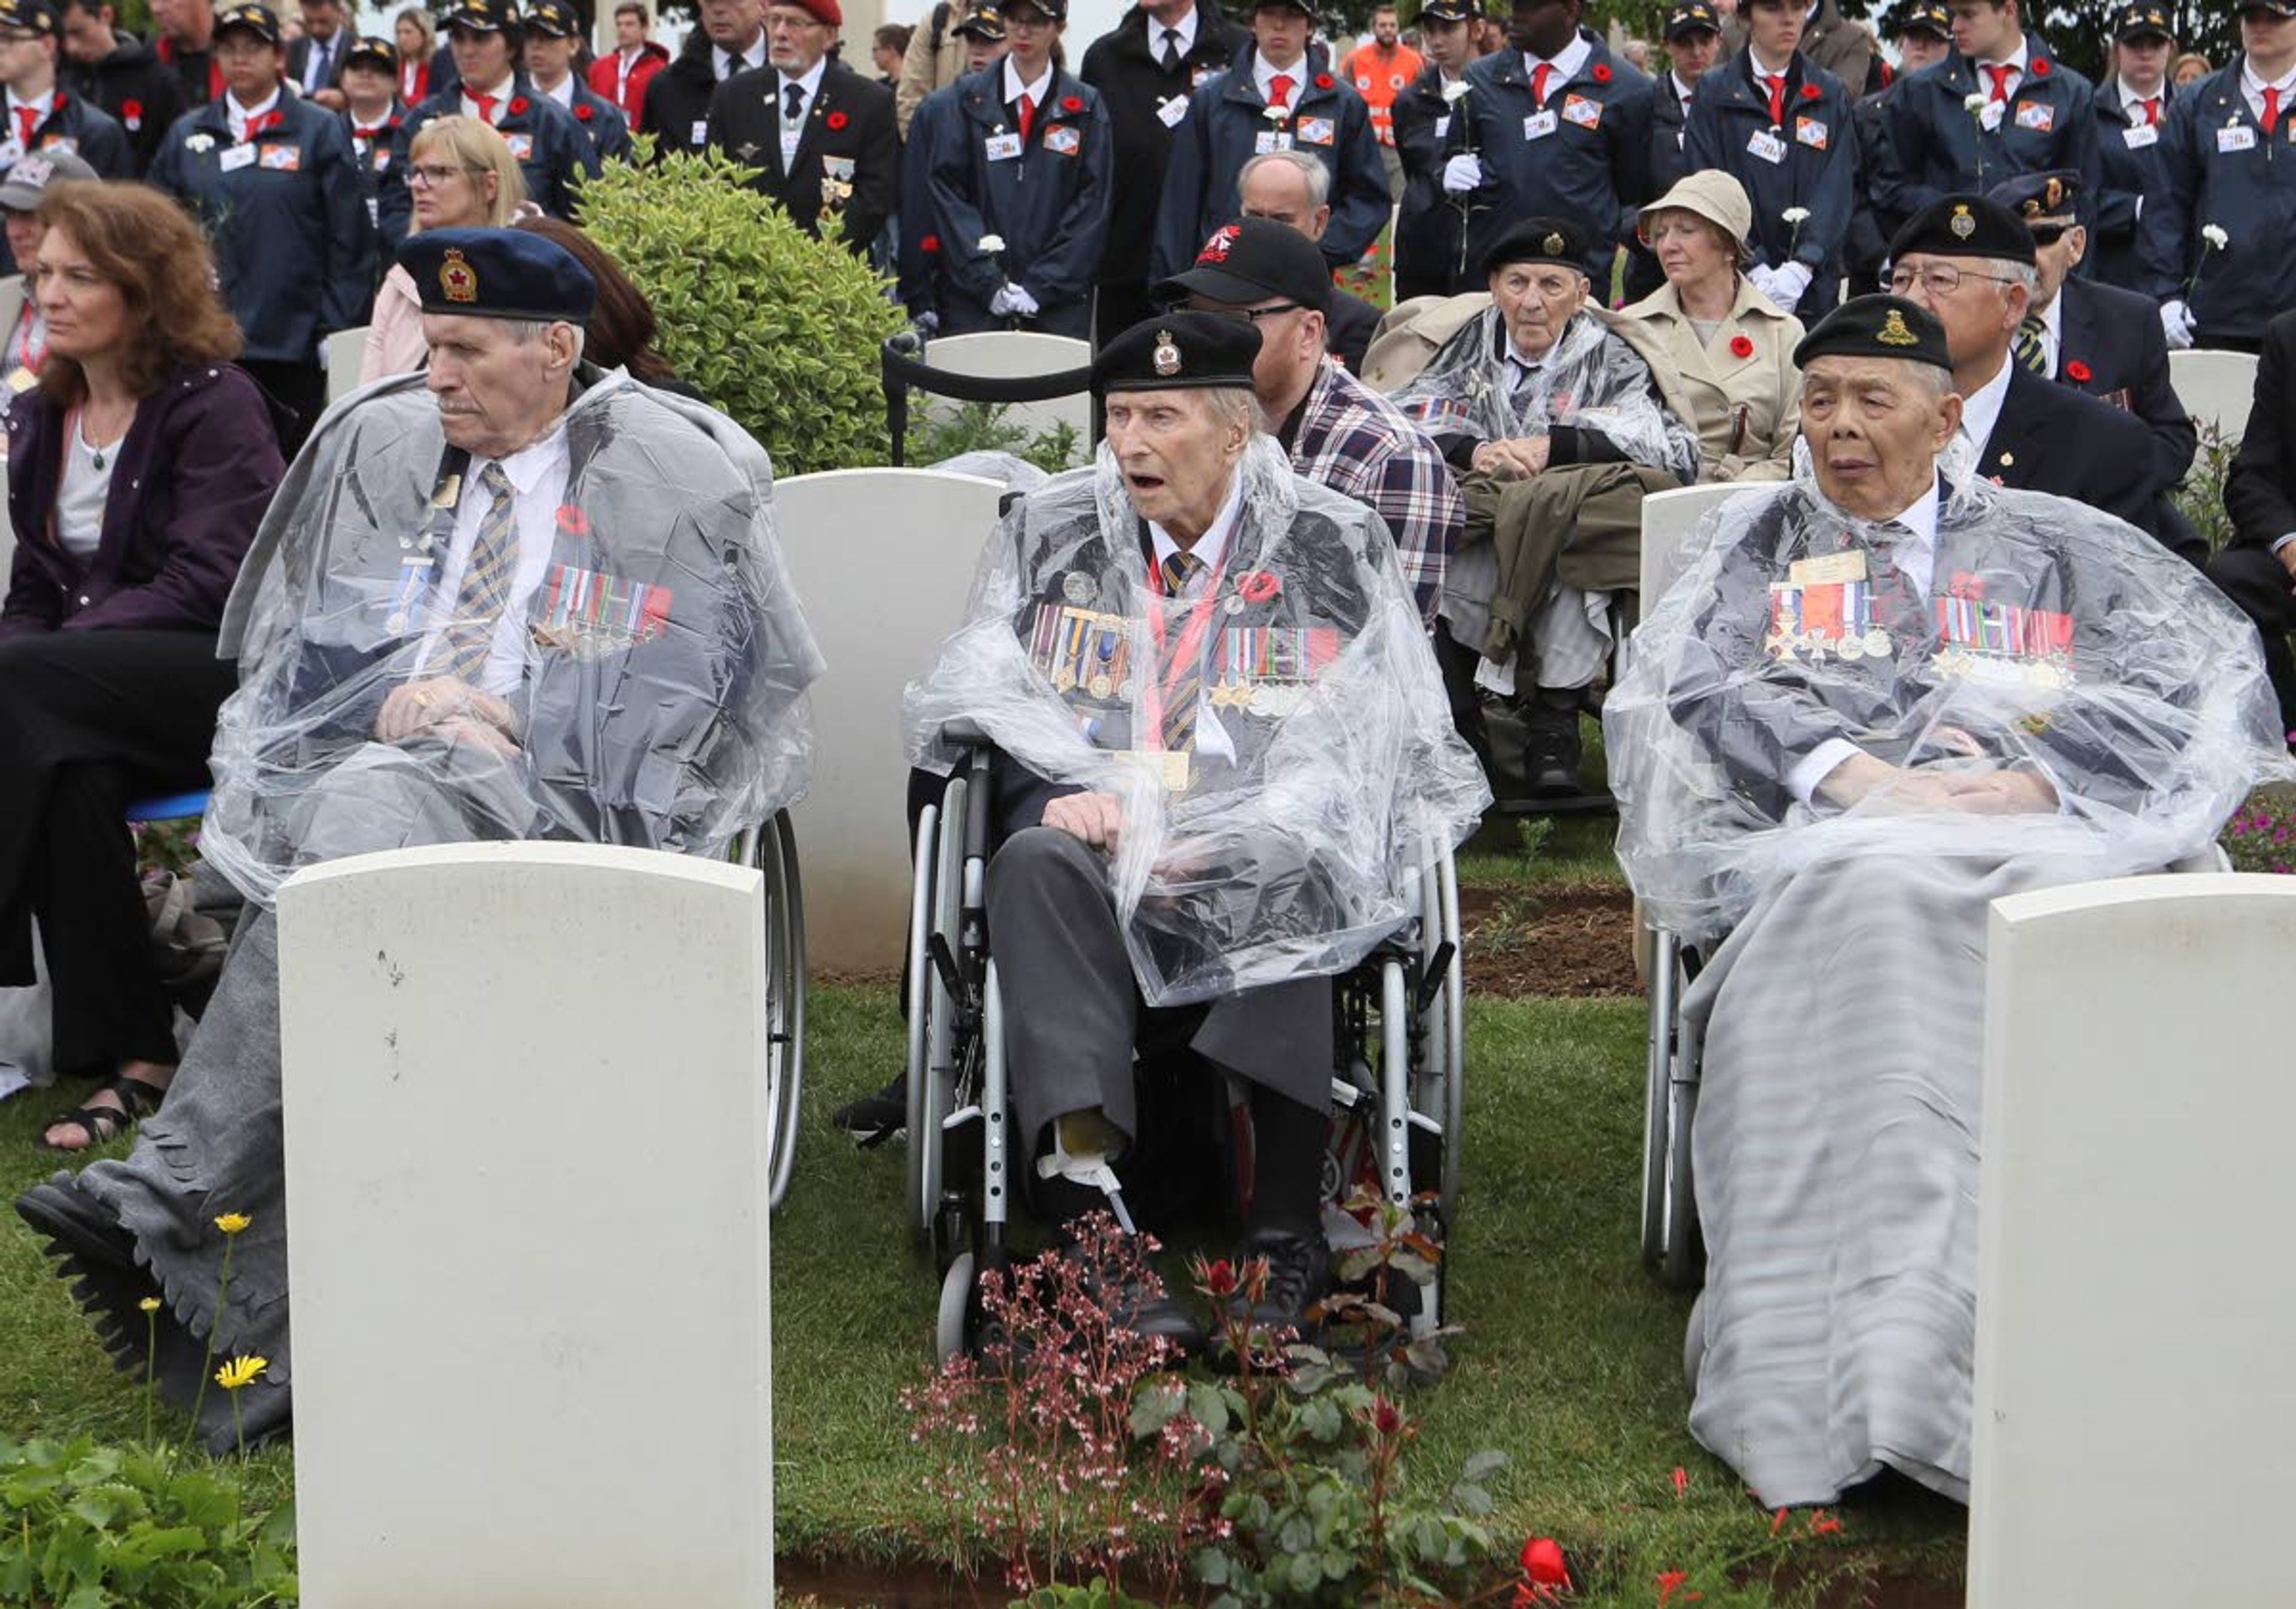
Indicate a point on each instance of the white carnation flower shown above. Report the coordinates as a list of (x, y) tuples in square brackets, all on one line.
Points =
[(1795, 215), (2216, 237), (198, 144), (1455, 92), (1273, 112), (992, 244), (1976, 103)]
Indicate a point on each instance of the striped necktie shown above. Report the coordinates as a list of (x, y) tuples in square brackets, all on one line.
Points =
[(1184, 682), (2028, 348), (486, 583)]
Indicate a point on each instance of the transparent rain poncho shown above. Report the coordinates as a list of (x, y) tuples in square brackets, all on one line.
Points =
[(657, 677), (1282, 841), (2049, 639), (1592, 378)]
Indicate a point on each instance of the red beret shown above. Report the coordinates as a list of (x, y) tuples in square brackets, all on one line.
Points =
[(823, 11)]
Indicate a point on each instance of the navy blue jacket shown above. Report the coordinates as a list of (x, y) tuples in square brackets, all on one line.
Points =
[(1049, 204), (1225, 128), (600, 120), (918, 268), (2223, 169), (1933, 145), (2134, 167), (84, 128), (550, 146), (1593, 167), (1670, 133), (1816, 169), (286, 214), (1867, 244), (1430, 233)]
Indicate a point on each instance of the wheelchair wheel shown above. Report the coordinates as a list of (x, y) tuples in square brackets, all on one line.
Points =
[(930, 1096), (1684, 1265), (1454, 1004), (953, 1327), (771, 850), (1657, 1080), (923, 993)]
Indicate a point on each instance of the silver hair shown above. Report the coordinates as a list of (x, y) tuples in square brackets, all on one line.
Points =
[(526, 332), (2022, 273), (1237, 405), (1317, 177)]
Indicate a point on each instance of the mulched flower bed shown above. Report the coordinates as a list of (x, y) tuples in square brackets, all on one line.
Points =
[(1575, 940)]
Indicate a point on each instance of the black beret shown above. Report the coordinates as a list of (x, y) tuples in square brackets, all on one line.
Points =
[(1450, 10), (1876, 326), (1539, 240), (1179, 348), (2038, 197), (1965, 225), (374, 49), (260, 21), (554, 19), (2143, 22), (498, 274), (33, 15), (1691, 17), (1252, 259)]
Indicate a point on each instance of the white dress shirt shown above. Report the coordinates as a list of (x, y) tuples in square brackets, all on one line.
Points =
[(563, 93), (538, 481), (728, 63), (241, 116), (1566, 63), (1014, 90), (2019, 59), (501, 92), (319, 61), (1185, 27), (1682, 92), (1913, 555), (792, 128), (2132, 100), (40, 107), (2252, 88), (1263, 75), (1981, 409), (1210, 736)]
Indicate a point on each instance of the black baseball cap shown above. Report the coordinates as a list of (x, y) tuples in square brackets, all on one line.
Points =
[(554, 19), (374, 51), (983, 21), (481, 16), (1251, 259), (1877, 326), (2143, 22), (1691, 17), (37, 15), (1450, 10), (1925, 16), (260, 21)]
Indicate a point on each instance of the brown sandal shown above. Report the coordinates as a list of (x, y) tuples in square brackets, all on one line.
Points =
[(137, 1101)]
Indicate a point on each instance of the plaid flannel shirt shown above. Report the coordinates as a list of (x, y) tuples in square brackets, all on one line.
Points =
[(1359, 444)]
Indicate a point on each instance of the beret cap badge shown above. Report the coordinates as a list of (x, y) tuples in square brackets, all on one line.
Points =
[(1167, 357), (1962, 226), (1554, 244), (458, 279), (1894, 333)]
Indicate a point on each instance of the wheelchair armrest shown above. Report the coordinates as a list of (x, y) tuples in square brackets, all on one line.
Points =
[(963, 733)]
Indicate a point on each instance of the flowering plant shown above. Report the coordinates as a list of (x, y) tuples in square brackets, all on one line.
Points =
[(2256, 837)]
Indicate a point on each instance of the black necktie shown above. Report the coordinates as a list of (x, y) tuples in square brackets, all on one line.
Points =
[(1171, 50), (792, 102)]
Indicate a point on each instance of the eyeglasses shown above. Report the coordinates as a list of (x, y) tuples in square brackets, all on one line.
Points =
[(1252, 316), (433, 173), (1937, 279)]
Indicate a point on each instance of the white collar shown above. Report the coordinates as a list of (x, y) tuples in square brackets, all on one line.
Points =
[(1762, 71), (724, 60), (500, 94), (1263, 75), (2249, 81), (2131, 96), (45, 105), (2018, 59), (810, 85), (1213, 544), (527, 466), (1981, 409), (1566, 61), (1014, 90), (564, 94), (2053, 316), (242, 116), (1682, 92), (1921, 516), (1185, 27)]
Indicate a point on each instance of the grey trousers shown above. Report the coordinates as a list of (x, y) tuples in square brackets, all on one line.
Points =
[(1073, 1014), (214, 1147)]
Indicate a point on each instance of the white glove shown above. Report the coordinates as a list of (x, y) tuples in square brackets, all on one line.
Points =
[(1024, 304), (1001, 304), (2176, 324), (1788, 280), (1461, 173), (1761, 278)]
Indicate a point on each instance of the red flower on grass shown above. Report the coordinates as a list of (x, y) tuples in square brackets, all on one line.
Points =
[(518, 106), (1670, 1583), (1259, 586), (1740, 347), (1322, 80), (836, 120), (1072, 104), (1823, 1524), (1681, 1476), (1542, 1563), (1602, 72), (2078, 371)]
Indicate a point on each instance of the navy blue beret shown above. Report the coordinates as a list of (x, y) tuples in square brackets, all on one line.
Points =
[(1179, 349), (498, 274)]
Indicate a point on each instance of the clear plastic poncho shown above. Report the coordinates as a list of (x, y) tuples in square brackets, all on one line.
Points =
[(1592, 379), (1283, 841), (661, 700), (2050, 639)]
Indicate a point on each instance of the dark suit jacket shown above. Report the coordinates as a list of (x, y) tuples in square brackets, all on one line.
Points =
[(2051, 438), (195, 474), (851, 121), (2260, 493), (2110, 345), (299, 57)]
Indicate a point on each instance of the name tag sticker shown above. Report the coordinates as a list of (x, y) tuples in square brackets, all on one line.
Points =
[(280, 159), (2239, 137), (1443, 126), (381, 159), (1267, 140), (1990, 118), (1847, 566), (235, 158), (700, 135), (1002, 147), (2138, 137), (1172, 111), (1538, 125), (1810, 132), (1579, 110), (1315, 131), (2039, 116), (522, 146), (1767, 147)]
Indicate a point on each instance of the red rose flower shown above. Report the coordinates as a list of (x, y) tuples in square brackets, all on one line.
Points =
[(2040, 67), (2076, 372), (572, 521), (1072, 104), (1740, 347), (582, 111), (929, 244), (1602, 72), (1259, 586), (1809, 92), (518, 106), (1542, 1562), (1322, 80), (836, 120)]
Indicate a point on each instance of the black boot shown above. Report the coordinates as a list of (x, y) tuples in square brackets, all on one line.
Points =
[(1551, 747), (875, 1119)]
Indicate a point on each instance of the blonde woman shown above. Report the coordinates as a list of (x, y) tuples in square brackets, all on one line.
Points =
[(462, 175), (418, 42)]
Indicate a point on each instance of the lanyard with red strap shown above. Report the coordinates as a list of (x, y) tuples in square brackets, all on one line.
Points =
[(1187, 652)]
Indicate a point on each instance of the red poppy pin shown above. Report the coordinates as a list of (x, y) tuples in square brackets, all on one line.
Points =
[(929, 244), (836, 120), (2078, 371), (1072, 104), (131, 110), (61, 98), (1257, 586), (518, 106), (1810, 92), (572, 521), (582, 111), (2040, 67), (1322, 80), (1740, 347), (1602, 74)]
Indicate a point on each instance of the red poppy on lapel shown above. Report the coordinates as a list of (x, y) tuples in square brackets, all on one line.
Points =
[(1602, 74), (836, 120), (1259, 586), (572, 521), (1322, 80), (929, 244), (2078, 371), (132, 110), (61, 100), (1810, 92), (1072, 104), (582, 111), (518, 106), (2040, 67), (1740, 347)]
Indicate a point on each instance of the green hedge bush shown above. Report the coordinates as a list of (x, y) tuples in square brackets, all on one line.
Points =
[(779, 331)]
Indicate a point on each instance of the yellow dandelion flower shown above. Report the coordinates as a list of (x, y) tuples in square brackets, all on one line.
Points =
[(149, 1304), (240, 1372), (232, 1223)]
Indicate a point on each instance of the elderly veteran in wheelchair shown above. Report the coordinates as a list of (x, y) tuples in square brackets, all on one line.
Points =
[(1558, 420), (1880, 697), (511, 597), (1221, 747)]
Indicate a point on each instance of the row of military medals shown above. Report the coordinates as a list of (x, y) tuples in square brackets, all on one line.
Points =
[(1857, 635), (1091, 651)]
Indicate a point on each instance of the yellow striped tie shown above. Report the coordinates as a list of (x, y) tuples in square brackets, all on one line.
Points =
[(486, 583), (1184, 689)]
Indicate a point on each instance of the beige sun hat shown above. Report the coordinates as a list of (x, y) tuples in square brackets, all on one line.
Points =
[(1713, 195)]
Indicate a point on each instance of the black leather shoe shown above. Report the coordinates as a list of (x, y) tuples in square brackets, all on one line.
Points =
[(877, 1118), (1551, 747), (1152, 1311), (1298, 1276)]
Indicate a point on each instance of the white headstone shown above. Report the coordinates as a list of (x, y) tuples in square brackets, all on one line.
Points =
[(1011, 354), (527, 1192), (2135, 1424), (2218, 389)]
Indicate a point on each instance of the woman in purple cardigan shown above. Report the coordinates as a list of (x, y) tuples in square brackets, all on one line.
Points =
[(137, 470)]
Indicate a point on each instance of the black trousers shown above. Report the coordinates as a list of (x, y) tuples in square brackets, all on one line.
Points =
[(2259, 583), (296, 393), (90, 721)]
